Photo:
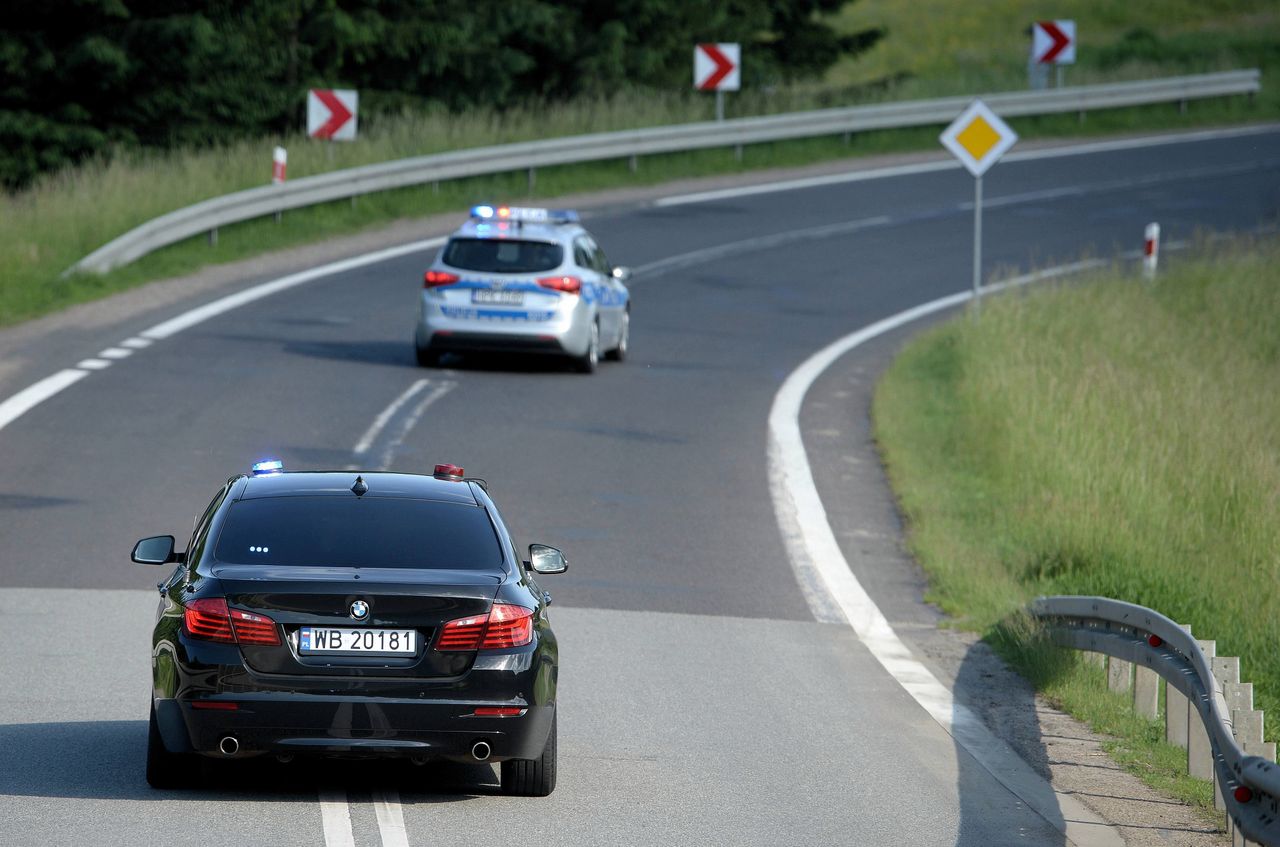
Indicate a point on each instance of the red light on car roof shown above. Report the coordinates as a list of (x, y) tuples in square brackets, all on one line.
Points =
[(453, 473), (504, 211)]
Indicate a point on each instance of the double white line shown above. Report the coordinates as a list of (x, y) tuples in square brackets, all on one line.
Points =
[(336, 814)]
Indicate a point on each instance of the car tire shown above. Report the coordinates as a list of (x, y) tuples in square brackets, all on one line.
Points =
[(619, 353), (532, 777), (165, 769), (426, 358), (586, 363)]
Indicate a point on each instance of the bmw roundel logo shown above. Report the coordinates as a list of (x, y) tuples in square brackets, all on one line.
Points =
[(359, 610)]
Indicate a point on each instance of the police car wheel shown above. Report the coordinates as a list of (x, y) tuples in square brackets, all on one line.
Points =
[(619, 353), (586, 363)]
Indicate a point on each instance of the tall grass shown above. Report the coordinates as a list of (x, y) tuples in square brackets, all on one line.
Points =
[(1112, 438)]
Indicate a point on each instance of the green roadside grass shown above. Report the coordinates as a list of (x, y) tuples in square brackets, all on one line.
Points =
[(1105, 436)]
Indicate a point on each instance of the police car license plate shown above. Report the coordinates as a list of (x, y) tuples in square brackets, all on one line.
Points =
[(330, 639), (497, 296)]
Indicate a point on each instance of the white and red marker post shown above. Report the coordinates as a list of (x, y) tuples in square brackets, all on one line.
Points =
[(1151, 250), (279, 161), (718, 68)]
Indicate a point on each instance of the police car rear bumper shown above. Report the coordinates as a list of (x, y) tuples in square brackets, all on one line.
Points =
[(564, 331)]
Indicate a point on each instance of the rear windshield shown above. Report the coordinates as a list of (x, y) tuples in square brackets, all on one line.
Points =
[(368, 532), (501, 255)]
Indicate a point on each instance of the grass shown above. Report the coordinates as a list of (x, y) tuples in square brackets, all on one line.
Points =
[(1107, 437), (935, 48)]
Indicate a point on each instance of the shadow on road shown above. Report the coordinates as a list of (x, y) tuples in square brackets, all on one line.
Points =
[(988, 692), (104, 760)]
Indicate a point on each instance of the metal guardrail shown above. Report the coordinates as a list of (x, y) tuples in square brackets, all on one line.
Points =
[(209, 215), (1149, 639)]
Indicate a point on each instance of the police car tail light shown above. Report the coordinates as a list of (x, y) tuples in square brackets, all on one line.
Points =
[(254, 629), (505, 626), (208, 620), (433, 279), (509, 626), (567, 284)]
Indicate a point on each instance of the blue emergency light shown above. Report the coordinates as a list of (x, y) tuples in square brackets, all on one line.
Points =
[(268, 467), (523, 214)]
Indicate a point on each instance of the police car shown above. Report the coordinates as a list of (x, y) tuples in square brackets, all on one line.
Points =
[(353, 615), (526, 280)]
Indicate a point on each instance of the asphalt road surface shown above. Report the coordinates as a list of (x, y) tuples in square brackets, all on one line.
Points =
[(702, 703)]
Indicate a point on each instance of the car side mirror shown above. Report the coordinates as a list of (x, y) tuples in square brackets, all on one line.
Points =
[(156, 550), (545, 560), (622, 274)]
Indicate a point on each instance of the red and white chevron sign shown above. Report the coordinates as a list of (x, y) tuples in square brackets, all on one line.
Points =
[(331, 114), (1054, 42), (716, 67)]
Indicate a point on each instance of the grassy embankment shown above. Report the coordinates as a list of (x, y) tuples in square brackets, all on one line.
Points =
[(952, 48), (1104, 437)]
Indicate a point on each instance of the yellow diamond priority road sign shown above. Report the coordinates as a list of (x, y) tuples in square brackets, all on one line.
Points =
[(978, 138)]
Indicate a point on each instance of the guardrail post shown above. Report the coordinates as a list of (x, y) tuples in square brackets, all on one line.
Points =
[(633, 163), (1199, 752), (533, 179), (1176, 712), (1119, 675), (1146, 692), (1226, 671), (213, 237), (737, 152)]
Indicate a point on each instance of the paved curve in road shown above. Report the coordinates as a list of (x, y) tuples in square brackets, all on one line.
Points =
[(701, 701)]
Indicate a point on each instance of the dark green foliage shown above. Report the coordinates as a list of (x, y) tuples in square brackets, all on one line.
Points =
[(80, 77)]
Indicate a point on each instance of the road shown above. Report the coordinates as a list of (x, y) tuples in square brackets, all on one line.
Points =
[(702, 699)]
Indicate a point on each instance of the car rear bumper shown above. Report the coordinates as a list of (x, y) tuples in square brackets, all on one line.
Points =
[(346, 726), (565, 330)]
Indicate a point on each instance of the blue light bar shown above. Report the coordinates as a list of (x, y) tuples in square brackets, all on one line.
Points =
[(524, 214), (268, 467)]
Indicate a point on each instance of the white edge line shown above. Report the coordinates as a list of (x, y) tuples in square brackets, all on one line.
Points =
[(366, 440), (813, 550), (386, 805), (36, 393), (411, 421), (944, 165), (336, 816)]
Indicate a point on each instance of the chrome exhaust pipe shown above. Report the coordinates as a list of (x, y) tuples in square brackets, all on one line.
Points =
[(229, 746), (480, 751)]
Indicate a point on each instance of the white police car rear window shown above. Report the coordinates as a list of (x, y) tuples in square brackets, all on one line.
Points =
[(365, 532), (503, 255)]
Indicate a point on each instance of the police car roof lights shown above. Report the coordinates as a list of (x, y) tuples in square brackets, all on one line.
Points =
[(523, 214), (268, 467)]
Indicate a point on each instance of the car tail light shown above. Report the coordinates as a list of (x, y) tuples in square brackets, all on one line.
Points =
[(503, 627), (209, 619), (431, 279), (254, 629), (567, 284), (215, 705)]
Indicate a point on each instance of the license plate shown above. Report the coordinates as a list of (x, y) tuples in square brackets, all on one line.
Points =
[(332, 639), (497, 297)]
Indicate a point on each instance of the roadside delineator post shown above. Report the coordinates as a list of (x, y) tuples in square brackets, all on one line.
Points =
[(279, 162), (1151, 250)]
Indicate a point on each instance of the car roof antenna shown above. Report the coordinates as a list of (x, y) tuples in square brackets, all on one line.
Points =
[(360, 487)]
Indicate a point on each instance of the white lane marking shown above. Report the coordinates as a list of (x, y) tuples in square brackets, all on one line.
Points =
[(36, 393), (820, 568), (115, 353), (386, 805), (336, 816), (388, 453), (375, 428), (93, 364), (931, 167)]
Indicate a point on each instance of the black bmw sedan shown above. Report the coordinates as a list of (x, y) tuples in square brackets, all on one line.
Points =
[(337, 614)]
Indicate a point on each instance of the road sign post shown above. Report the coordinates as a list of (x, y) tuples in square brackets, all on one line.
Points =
[(978, 138), (717, 67)]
